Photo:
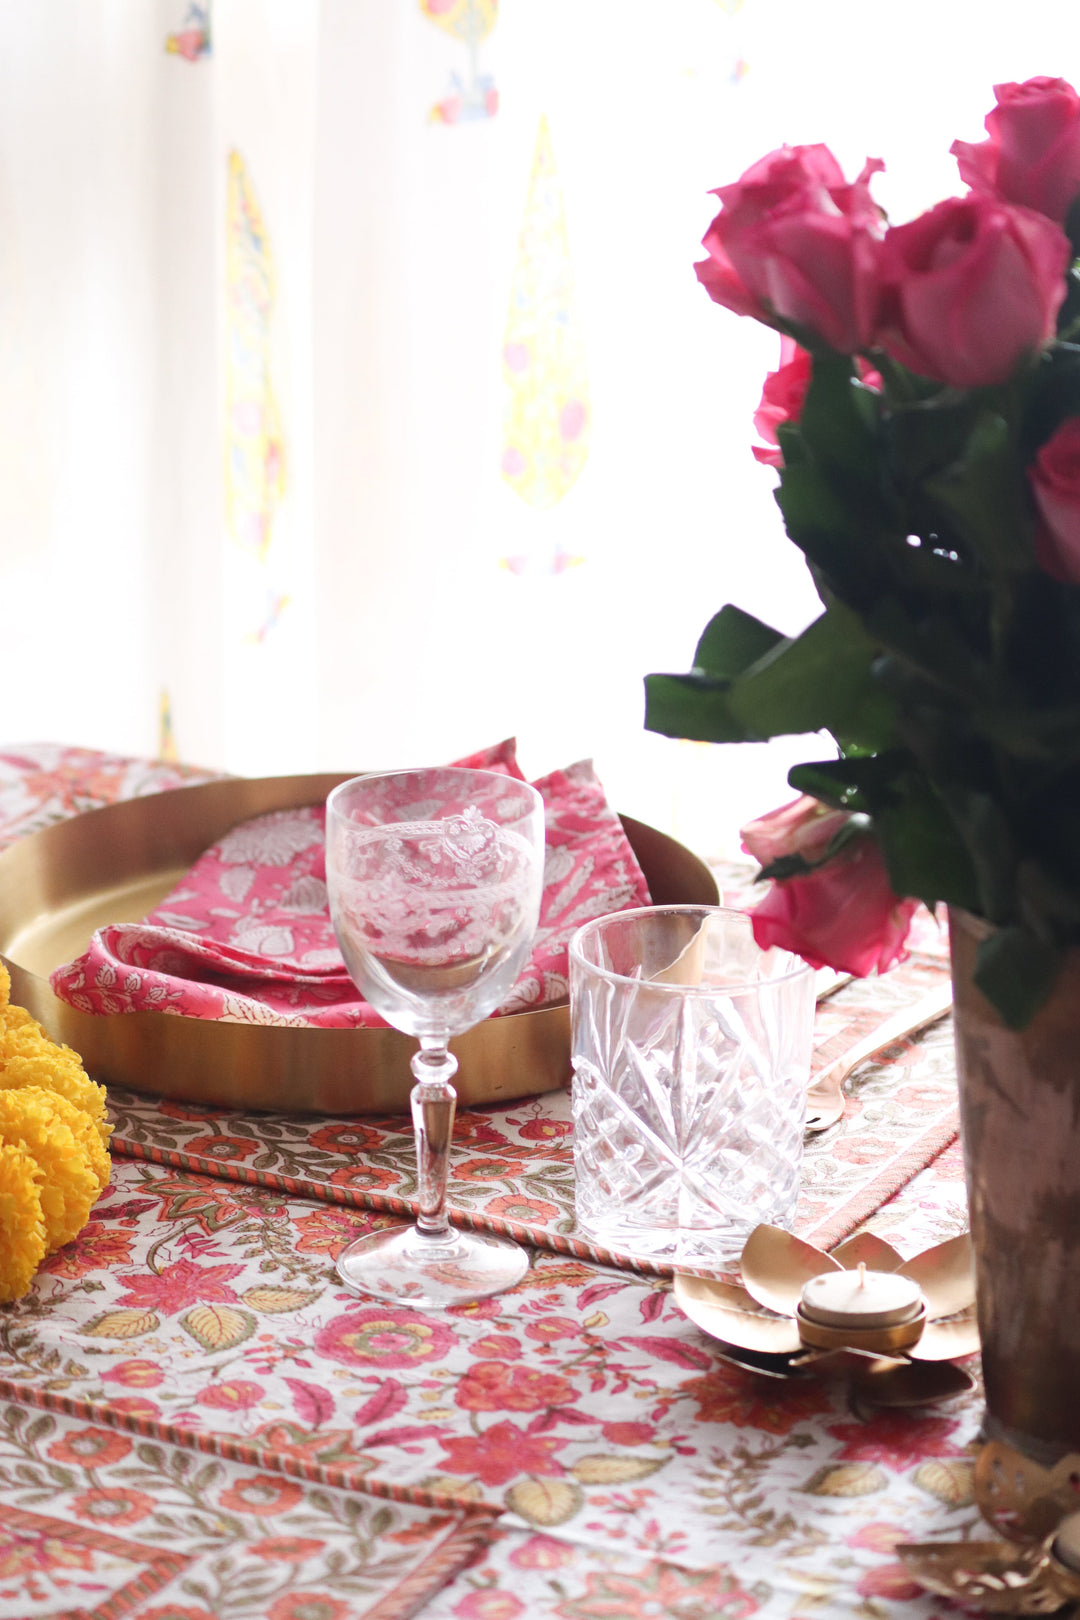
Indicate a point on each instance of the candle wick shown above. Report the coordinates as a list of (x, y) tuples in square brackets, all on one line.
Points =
[(862, 1273)]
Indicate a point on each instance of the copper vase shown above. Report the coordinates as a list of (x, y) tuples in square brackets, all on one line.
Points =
[(1020, 1122)]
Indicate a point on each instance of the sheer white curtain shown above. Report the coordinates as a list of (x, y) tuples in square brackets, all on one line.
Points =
[(358, 403)]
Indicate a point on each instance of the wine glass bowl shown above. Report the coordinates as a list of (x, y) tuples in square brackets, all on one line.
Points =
[(435, 879)]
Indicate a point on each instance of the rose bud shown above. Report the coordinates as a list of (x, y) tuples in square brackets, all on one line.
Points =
[(970, 288)]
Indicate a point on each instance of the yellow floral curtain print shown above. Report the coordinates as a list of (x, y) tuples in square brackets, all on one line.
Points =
[(546, 421), (254, 447)]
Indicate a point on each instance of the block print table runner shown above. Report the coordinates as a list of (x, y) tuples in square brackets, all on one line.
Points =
[(512, 1165), (198, 1423)]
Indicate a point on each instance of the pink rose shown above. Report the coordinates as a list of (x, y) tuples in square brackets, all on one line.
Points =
[(784, 395), (969, 288), (844, 914), (781, 400), (1033, 154), (793, 241), (1055, 482), (805, 827)]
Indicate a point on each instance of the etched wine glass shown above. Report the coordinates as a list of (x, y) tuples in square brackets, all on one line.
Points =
[(435, 879)]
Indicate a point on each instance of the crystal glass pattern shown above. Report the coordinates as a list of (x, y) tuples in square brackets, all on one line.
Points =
[(434, 879), (691, 1051)]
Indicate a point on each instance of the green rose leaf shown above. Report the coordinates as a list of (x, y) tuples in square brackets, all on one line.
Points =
[(838, 423), (983, 496), (924, 852), (732, 641), (694, 706), (819, 681)]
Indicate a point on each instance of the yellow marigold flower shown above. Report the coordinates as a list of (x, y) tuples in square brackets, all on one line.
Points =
[(22, 1229), (70, 1187), (12, 1018), (81, 1126), (29, 1058)]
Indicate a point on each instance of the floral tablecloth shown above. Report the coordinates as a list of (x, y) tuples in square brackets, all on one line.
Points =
[(197, 1422)]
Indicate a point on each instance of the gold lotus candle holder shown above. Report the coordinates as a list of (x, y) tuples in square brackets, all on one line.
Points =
[(896, 1327), (1033, 1565)]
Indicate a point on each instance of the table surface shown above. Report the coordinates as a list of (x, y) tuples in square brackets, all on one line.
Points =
[(197, 1422)]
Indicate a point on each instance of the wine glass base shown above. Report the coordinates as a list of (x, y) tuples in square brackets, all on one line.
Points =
[(410, 1267)]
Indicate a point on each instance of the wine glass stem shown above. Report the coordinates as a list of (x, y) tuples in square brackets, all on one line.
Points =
[(433, 1101)]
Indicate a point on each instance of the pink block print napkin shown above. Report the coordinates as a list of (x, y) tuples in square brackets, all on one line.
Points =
[(247, 936)]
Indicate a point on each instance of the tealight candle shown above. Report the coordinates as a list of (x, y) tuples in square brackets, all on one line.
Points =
[(861, 1300), (1066, 1548)]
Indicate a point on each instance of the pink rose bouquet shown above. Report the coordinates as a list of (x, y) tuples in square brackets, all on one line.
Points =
[(924, 423)]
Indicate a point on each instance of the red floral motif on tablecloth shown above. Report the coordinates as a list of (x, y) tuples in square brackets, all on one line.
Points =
[(90, 1448), (494, 1386), (110, 1506), (384, 1336), (309, 1606), (726, 1395), (542, 1552), (502, 1452), (896, 1440), (499, 1346), (226, 1149), (490, 1605), (95, 1248), (28, 1557), (661, 1590), (180, 1284), (264, 1494), (234, 1395), (327, 1231), (135, 1406), (135, 1374)]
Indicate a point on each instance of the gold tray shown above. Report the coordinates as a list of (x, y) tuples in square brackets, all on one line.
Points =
[(115, 865)]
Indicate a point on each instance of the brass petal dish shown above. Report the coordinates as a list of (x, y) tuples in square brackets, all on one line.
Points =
[(989, 1575), (946, 1275), (727, 1313), (117, 864), (775, 1264)]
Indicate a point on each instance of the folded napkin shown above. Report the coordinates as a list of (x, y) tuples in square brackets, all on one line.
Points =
[(247, 937)]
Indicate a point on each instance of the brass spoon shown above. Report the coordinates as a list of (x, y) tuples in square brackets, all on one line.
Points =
[(825, 1098)]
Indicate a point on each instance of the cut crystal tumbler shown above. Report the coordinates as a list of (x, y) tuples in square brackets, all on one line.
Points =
[(691, 1051)]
